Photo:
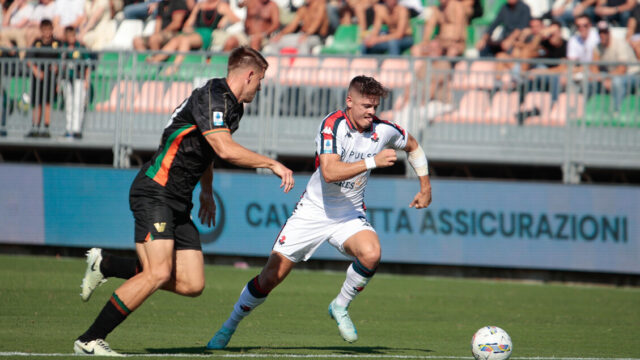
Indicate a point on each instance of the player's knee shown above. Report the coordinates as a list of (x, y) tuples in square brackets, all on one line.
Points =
[(194, 289), (160, 275), (370, 257)]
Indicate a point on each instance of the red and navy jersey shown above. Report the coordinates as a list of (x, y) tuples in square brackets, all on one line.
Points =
[(338, 135), (184, 153)]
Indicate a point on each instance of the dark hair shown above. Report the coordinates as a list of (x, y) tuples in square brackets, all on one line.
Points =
[(555, 22), (69, 29), (366, 85), (46, 23), (245, 56), (583, 16)]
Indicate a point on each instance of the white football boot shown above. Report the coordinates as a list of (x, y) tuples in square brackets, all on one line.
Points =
[(92, 276), (96, 347), (345, 325)]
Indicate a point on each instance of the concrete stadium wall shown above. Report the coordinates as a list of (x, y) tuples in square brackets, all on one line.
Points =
[(470, 223)]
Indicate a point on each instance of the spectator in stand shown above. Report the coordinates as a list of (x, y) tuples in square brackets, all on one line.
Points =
[(75, 82), (67, 13), (565, 11), (171, 17), (14, 23), (397, 39), (549, 76), (526, 46), (206, 16), (98, 27), (140, 9), (618, 78), (312, 20), (262, 20), (633, 30), (451, 17), (43, 84), (23, 37), (512, 18), (582, 44), (360, 12), (615, 11)]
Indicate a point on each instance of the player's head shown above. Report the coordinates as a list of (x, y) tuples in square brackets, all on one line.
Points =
[(363, 98), (583, 23), (46, 29), (248, 67)]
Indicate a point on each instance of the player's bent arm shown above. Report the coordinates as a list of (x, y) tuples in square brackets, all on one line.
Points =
[(418, 161), (230, 151), (238, 155), (335, 170)]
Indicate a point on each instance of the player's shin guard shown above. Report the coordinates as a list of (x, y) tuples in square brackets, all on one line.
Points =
[(252, 296), (120, 267), (112, 314), (357, 278)]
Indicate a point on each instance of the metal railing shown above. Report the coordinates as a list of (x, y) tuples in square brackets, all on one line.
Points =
[(480, 110)]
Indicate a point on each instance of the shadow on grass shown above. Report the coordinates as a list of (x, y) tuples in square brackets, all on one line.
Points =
[(331, 350)]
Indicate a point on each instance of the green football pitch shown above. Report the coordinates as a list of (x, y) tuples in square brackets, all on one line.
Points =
[(398, 317)]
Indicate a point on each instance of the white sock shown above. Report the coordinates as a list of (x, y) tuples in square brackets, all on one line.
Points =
[(243, 307), (353, 284)]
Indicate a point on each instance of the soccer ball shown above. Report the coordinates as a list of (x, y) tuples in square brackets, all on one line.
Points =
[(491, 343)]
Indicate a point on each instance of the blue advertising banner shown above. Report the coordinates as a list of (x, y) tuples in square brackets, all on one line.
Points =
[(479, 223)]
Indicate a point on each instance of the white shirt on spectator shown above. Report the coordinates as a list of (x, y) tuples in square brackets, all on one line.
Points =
[(580, 49), (69, 10), (41, 12), (412, 4), (21, 14)]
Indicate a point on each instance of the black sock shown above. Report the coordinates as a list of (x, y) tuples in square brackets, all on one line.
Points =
[(112, 314), (120, 267)]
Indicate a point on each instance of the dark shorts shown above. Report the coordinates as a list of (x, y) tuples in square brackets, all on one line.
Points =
[(158, 216), (43, 91)]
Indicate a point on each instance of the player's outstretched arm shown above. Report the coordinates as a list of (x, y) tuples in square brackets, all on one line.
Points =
[(335, 170), (418, 160), (231, 151)]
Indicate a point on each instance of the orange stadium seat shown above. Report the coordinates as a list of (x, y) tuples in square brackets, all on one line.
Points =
[(177, 92), (504, 106), (303, 71), (542, 102), (573, 104), (473, 107), (363, 66), (334, 72), (394, 73), (121, 94), (147, 99), (478, 75)]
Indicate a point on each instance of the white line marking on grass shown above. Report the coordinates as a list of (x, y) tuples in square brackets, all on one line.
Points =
[(347, 356)]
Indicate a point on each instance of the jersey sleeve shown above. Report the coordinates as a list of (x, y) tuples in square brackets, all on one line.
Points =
[(327, 139), (398, 136), (208, 114)]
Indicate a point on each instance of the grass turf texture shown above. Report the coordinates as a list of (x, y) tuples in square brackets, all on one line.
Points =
[(42, 313)]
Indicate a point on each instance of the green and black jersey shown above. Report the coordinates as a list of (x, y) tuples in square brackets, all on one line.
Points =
[(184, 153)]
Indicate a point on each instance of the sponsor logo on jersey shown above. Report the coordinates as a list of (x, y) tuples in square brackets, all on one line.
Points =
[(327, 130), (160, 226), (217, 118)]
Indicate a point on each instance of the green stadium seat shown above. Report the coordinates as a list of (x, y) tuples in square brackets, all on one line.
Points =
[(490, 11), (629, 114), (599, 111), (217, 66), (345, 41), (107, 65)]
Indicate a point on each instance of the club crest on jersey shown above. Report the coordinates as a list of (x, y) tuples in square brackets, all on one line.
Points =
[(282, 239), (217, 118), (374, 137), (327, 146)]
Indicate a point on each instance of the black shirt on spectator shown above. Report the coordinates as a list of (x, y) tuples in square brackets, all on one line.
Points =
[(168, 7)]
